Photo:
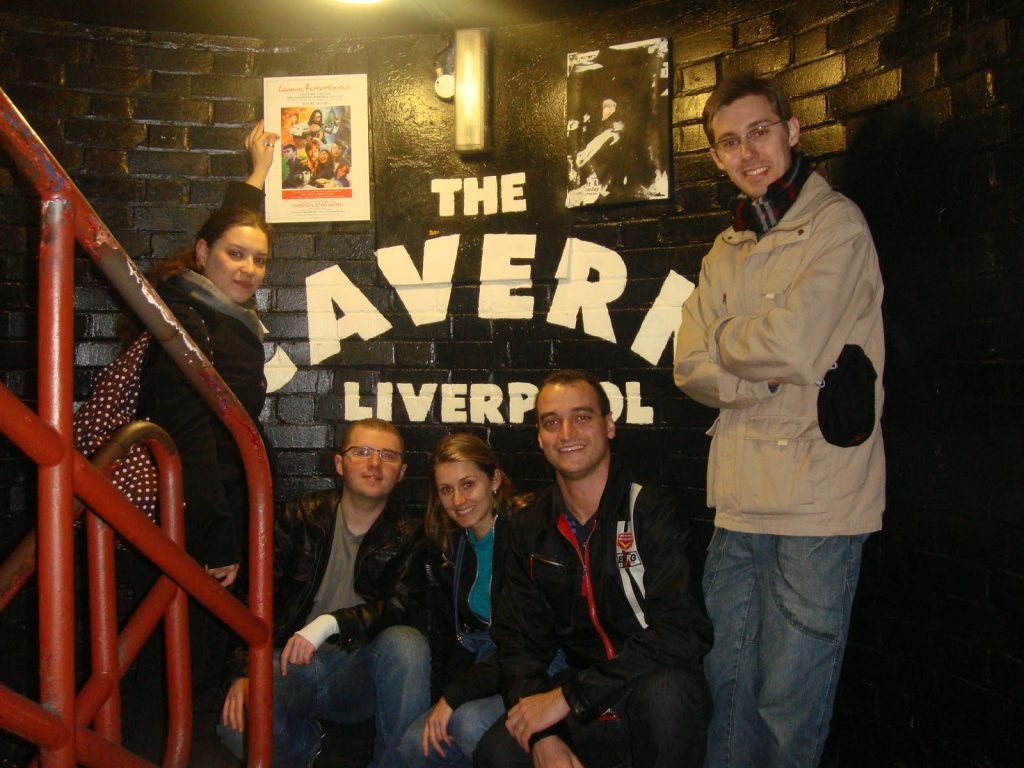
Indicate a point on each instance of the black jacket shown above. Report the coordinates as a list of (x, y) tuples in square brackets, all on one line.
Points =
[(543, 606), (303, 536), (455, 672), (216, 498)]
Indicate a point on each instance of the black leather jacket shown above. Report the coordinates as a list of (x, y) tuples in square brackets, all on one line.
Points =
[(547, 601), (303, 536)]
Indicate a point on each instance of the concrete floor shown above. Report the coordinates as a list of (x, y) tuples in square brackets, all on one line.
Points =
[(344, 746)]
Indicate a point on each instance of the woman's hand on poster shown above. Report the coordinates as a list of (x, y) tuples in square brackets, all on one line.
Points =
[(260, 146)]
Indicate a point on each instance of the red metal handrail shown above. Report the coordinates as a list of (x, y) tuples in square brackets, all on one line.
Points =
[(58, 723), (100, 696)]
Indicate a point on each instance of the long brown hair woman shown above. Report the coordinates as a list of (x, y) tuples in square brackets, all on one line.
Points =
[(209, 286), (469, 504)]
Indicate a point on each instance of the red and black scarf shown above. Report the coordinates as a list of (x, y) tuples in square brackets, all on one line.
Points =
[(764, 213)]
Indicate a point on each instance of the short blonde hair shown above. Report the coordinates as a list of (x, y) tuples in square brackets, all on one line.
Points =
[(379, 424)]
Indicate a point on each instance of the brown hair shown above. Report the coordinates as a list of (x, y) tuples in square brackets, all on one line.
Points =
[(213, 229), (572, 376), (736, 87), (219, 222), (463, 446)]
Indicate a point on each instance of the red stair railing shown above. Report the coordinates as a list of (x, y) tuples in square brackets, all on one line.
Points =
[(59, 722)]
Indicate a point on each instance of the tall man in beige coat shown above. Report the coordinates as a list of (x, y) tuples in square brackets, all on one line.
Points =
[(781, 292)]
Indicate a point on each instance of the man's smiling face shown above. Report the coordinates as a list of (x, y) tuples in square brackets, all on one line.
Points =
[(370, 478), (572, 432), (753, 168)]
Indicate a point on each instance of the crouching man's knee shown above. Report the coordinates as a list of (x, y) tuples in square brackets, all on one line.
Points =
[(402, 645), (668, 713), (497, 749)]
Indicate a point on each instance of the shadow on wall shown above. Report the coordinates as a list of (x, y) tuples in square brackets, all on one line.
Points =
[(898, 175), (948, 452), (892, 171)]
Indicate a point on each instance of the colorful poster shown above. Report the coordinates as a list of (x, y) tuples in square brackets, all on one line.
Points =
[(323, 156)]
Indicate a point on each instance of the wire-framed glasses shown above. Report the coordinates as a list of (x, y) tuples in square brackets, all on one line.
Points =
[(364, 452), (755, 137)]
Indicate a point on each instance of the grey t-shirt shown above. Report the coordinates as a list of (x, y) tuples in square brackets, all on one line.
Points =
[(337, 590)]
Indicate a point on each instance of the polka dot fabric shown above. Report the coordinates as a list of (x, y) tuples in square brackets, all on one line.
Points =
[(113, 404)]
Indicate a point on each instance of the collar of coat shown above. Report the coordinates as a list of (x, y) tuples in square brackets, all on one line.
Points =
[(199, 288), (614, 497), (795, 220)]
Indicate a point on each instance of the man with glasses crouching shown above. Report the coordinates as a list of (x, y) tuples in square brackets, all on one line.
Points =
[(340, 602), (797, 472)]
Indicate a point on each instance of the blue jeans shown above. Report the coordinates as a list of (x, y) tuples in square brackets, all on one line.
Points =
[(780, 606), (388, 679), (467, 724)]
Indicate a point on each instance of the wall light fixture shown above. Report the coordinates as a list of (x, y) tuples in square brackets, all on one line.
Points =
[(472, 91)]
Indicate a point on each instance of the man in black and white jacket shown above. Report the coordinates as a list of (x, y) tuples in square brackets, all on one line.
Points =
[(598, 569)]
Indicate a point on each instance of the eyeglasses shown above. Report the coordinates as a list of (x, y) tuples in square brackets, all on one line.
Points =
[(365, 452), (755, 137)]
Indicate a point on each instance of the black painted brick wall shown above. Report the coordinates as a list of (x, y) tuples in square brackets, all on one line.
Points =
[(913, 108)]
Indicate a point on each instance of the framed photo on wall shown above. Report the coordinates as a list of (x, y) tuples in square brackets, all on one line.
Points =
[(323, 157), (618, 110)]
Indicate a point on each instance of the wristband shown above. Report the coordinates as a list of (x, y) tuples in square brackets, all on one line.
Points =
[(319, 629)]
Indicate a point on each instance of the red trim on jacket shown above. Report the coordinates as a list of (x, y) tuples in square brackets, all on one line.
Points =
[(587, 588)]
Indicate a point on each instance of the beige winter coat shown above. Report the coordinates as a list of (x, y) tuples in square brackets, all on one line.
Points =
[(780, 309)]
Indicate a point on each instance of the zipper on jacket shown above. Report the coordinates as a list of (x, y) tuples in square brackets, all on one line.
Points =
[(586, 588), (535, 558)]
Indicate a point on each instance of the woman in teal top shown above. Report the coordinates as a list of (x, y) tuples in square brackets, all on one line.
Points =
[(470, 502)]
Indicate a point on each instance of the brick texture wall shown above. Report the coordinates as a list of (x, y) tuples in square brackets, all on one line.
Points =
[(912, 107)]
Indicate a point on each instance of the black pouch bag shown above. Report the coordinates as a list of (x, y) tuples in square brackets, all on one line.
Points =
[(846, 400)]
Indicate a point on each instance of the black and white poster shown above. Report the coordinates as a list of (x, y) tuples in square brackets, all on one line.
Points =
[(619, 145)]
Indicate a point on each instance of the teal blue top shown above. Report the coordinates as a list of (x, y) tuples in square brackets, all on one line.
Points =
[(480, 592)]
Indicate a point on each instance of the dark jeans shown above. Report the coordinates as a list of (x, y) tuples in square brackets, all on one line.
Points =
[(144, 686), (662, 721), (209, 638)]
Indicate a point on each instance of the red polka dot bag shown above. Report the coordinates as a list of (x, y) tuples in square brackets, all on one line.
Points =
[(113, 403)]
